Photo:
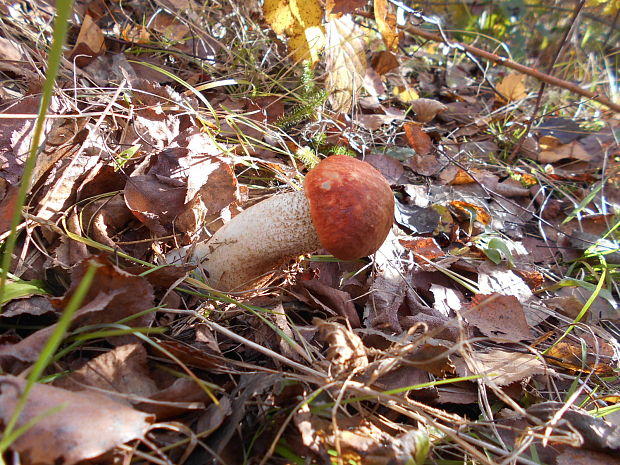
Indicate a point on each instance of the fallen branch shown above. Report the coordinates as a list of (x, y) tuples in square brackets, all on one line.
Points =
[(518, 67)]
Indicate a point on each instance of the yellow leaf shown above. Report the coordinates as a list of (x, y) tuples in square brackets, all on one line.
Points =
[(386, 23), (345, 62), (301, 22), (405, 94), (513, 87)]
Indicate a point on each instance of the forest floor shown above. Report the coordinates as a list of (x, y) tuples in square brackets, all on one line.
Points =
[(484, 330)]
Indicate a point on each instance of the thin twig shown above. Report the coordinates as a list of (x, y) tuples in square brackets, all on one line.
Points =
[(541, 90), (499, 60)]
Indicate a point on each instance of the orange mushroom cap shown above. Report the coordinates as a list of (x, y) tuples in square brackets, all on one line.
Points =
[(351, 204)]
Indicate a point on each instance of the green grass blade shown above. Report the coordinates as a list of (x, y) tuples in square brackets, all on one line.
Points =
[(61, 25)]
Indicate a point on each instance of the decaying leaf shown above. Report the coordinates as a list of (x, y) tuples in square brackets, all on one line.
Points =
[(65, 432), (300, 21), (500, 366), (360, 441), (345, 57), (346, 352)]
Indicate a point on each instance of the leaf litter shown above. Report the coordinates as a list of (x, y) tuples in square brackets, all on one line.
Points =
[(495, 289)]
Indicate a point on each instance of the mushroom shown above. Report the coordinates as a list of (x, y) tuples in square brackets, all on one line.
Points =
[(346, 207)]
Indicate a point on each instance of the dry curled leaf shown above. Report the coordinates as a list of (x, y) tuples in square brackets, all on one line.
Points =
[(360, 441), (426, 109), (346, 352)]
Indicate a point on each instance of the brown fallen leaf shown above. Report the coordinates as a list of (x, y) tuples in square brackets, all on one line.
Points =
[(417, 138), (391, 169), (496, 278), (359, 440), (423, 247), (13, 59), (160, 113), (512, 87), (500, 366), (456, 176), (569, 354), (573, 151), (500, 317), (115, 295), (182, 189), (384, 62), (7, 207), (183, 395), (170, 26), (426, 109), (573, 456), (426, 165), (597, 434), (339, 302), (122, 370), (344, 6), (86, 426), (89, 43), (35, 305), (468, 212)]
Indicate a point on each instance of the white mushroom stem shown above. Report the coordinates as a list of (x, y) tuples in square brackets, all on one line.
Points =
[(256, 241)]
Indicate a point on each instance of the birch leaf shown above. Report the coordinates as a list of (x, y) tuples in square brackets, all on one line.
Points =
[(300, 21)]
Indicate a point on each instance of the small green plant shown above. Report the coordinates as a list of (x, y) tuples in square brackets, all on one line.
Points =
[(495, 249), (311, 98)]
